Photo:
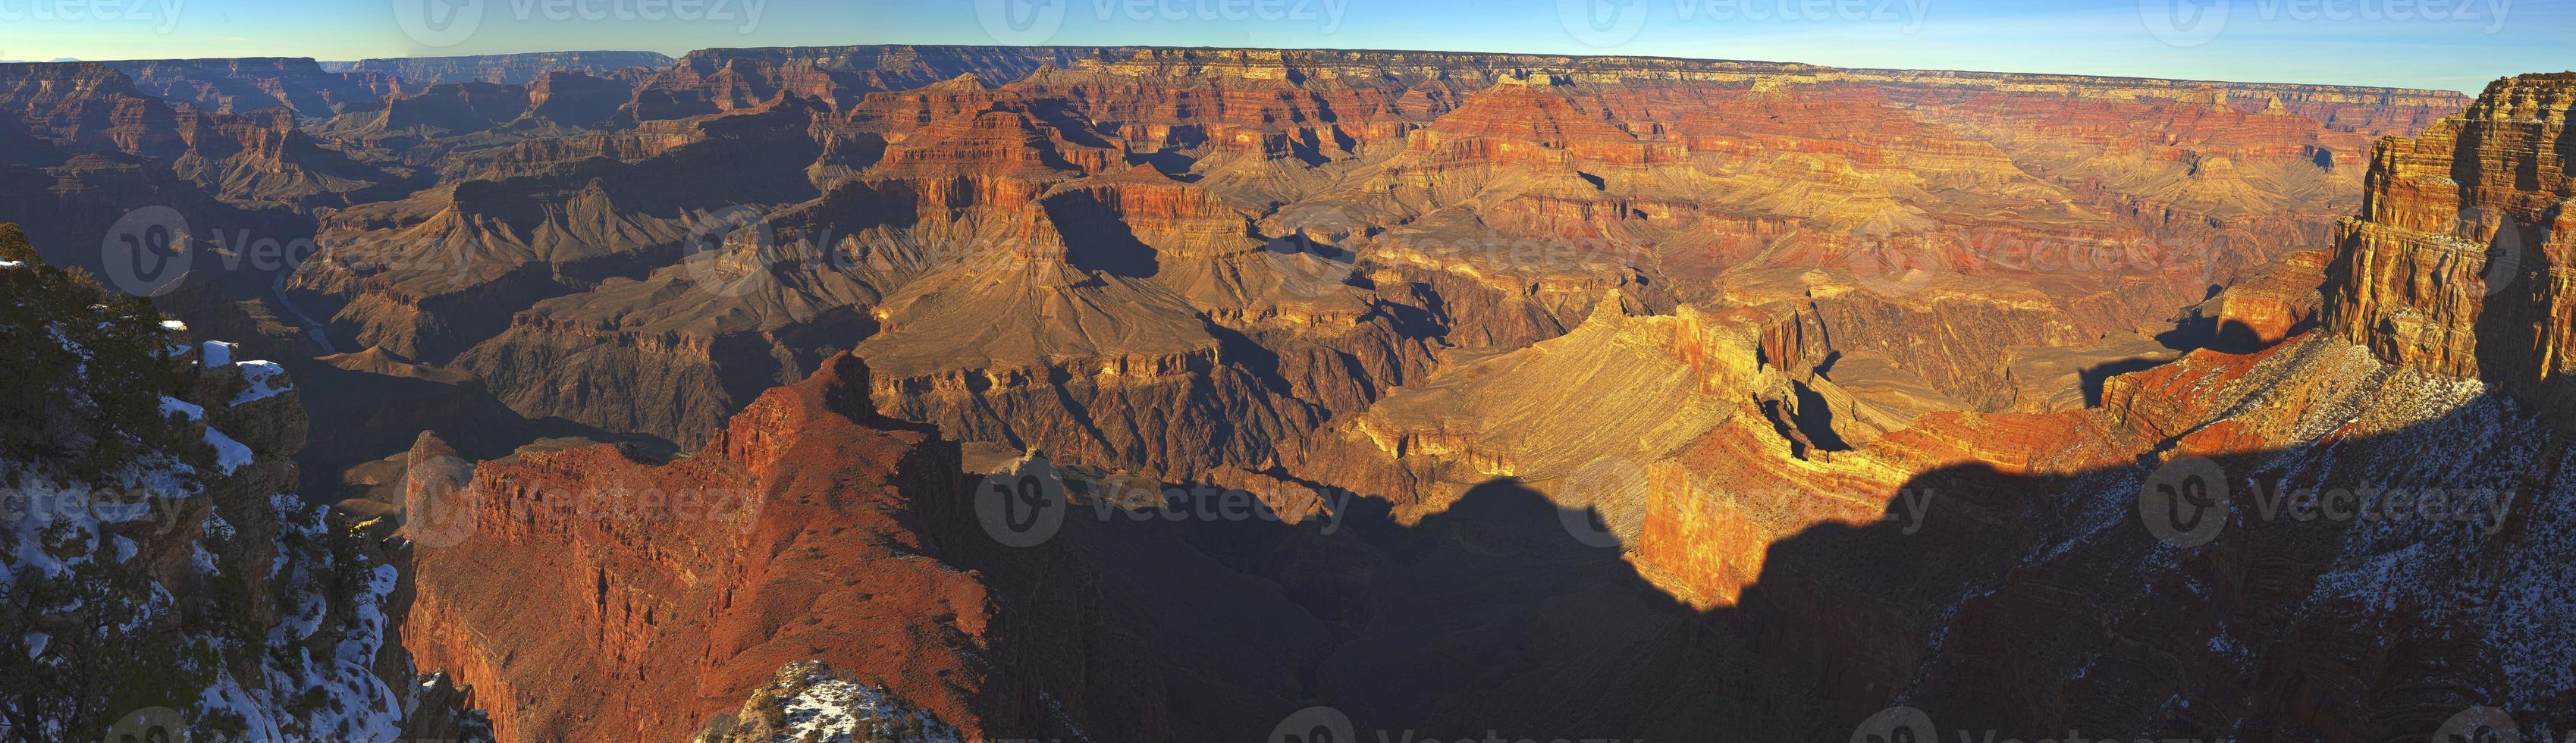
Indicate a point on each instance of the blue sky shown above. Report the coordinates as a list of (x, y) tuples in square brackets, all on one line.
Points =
[(2455, 44)]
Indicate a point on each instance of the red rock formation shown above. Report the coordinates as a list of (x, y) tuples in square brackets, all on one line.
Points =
[(592, 596), (2459, 263)]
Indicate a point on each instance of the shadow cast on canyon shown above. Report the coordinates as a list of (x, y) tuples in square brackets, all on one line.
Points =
[(1971, 600)]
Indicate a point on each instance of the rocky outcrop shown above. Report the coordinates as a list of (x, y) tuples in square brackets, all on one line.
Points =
[(2295, 615), (2459, 263), (242, 85), (1286, 236), (811, 530), (1751, 394), (502, 69), (164, 580), (807, 700), (257, 155)]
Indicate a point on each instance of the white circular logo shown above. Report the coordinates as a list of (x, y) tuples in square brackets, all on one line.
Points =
[(147, 250), (1602, 22), (148, 725), (728, 251), (1306, 269), (1582, 496), (2503, 258), (2478, 725), (1895, 268), (2185, 502), (1896, 725), (1314, 725), (438, 502), (1020, 22), (1316, 255), (1022, 506), (2184, 23), (438, 23)]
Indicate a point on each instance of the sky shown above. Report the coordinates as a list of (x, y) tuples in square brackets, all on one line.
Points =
[(2449, 44)]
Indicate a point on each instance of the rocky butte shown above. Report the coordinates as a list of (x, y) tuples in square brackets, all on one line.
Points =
[(1568, 397)]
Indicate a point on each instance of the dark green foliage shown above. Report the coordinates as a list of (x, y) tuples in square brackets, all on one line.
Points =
[(82, 371), (14, 247)]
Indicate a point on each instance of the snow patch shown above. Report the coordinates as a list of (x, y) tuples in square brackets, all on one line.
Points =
[(175, 406), (229, 454), (837, 709), (217, 353), (263, 376)]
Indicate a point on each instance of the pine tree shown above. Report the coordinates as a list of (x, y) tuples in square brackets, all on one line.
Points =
[(14, 245)]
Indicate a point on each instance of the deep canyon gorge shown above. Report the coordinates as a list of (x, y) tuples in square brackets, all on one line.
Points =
[(616, 396)]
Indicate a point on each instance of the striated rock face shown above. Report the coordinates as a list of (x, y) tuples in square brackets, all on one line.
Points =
[(582, 595), (2299, 621), (504, 69), (250, 83), (2459, 263), (255, 156), (1993, 570), (711, 80), (1243, 244), (1759, 397)]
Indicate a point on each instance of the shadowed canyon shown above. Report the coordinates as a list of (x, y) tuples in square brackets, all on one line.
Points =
[(897, 393)]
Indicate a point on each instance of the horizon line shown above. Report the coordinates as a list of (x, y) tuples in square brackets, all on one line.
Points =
[(677, 57)]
